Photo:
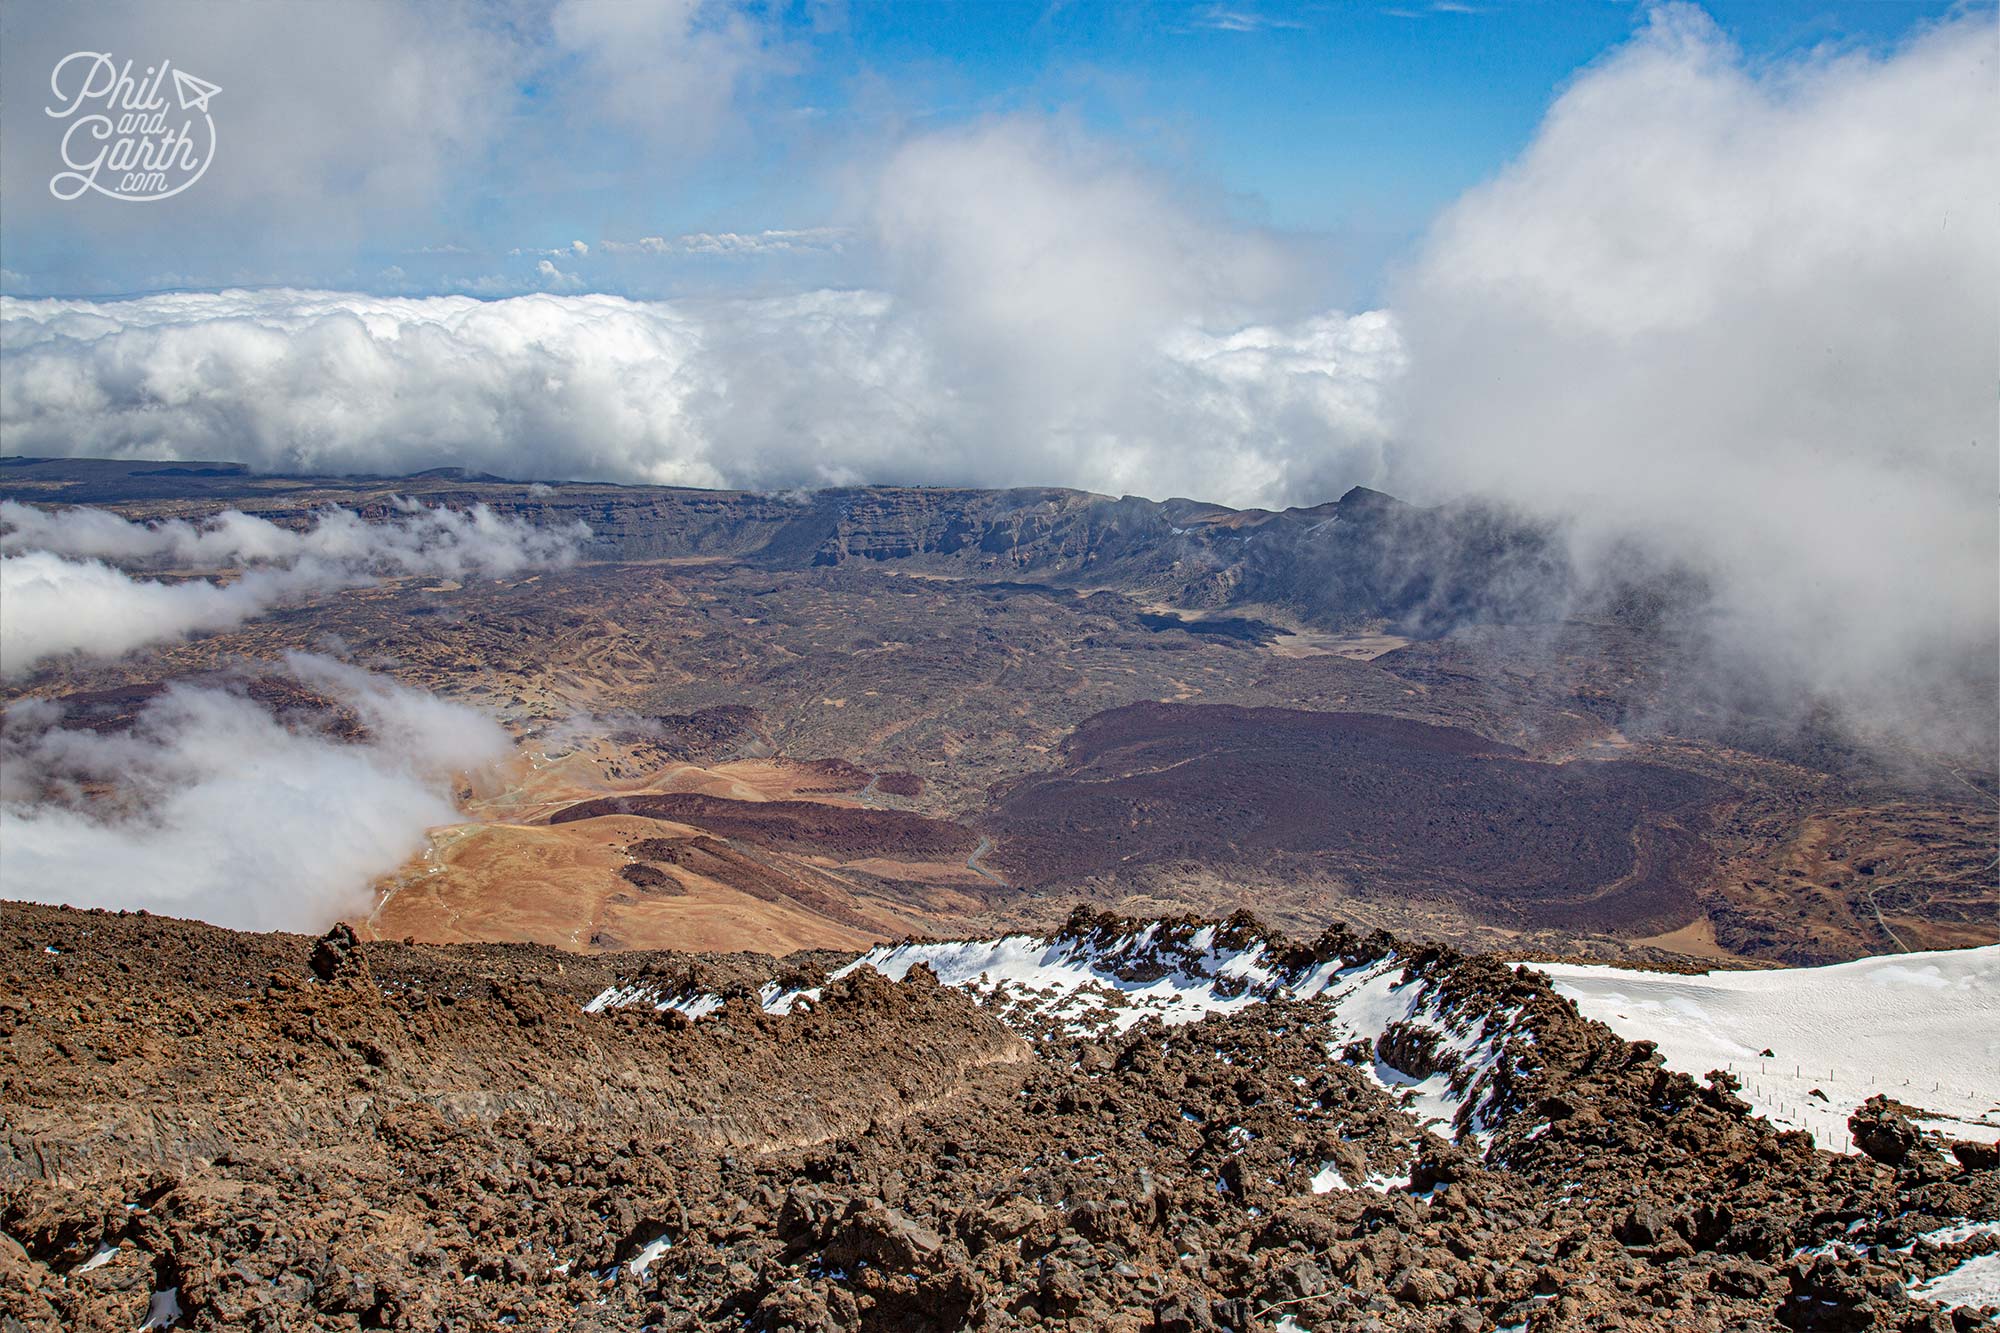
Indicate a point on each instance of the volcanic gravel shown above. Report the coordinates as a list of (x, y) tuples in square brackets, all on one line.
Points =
[(294, 1134)]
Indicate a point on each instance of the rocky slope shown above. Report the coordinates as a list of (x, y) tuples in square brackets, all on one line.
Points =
[(1170, 1125)]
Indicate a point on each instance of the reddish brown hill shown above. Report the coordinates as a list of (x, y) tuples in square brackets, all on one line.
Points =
[(808, 827)]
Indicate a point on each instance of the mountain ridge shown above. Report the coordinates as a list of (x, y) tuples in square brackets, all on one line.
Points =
[(1365, 556)]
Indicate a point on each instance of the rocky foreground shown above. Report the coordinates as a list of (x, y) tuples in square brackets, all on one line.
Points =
[(1214, 1129)]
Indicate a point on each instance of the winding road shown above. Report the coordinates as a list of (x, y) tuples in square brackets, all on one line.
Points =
[(972, 861)]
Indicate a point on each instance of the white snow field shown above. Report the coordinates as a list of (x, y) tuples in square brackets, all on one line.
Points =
[(1974, 1283), (1923, 1028)]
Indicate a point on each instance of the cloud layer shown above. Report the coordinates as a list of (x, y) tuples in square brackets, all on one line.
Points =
[(57, 606), (822, 388), (226, 812), (65, 592)]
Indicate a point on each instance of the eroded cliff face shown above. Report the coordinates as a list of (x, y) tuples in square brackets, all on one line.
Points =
[(1364, 557), (1176, 1125)]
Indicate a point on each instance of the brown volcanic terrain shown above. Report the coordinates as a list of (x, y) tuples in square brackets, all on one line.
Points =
[(793, 826), (575, 886), (948, 655), (1409, 810), (279, 1134)]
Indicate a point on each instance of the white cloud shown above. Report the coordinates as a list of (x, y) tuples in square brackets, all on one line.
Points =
[(1437, 7), (574, 250), (1049, 311), (403, 110), (381, 105), (816, 389), (63, 596), (800, 240), (57, 606), (667, 70), (554, 278), (417, 539), (645, 245), (223, 811), (1746, 316), (1222, 18)]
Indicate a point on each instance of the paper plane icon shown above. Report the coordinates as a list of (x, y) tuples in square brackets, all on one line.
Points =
[(194, 93)]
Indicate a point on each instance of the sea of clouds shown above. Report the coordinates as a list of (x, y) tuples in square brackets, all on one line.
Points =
[(821, 388)]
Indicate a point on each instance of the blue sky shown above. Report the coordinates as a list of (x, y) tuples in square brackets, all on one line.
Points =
[(1345, 127), (1317, 117)]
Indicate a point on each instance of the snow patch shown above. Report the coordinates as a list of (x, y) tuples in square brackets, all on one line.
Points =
[(697, 1004), (777, 1000), (648, 1256), (1961, 1232), (105, 1254), (694, 1005), (164, 1311), (1096, 984), (1974, 1284), (1919, 1027)]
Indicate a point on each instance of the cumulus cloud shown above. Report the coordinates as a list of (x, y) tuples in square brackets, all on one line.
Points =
[(820, 388), (554, 278), (1744, 318), (1044, 273), (64, 592), (223, 810)]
